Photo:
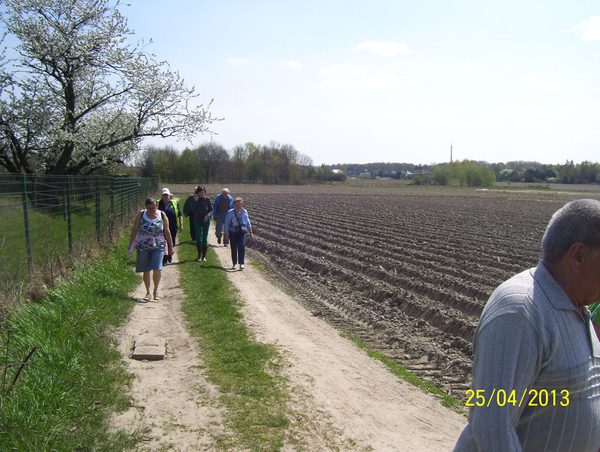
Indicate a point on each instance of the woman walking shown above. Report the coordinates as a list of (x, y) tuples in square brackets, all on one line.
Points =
[(150, 230), (202, 214), (173, 211), (237, 225)]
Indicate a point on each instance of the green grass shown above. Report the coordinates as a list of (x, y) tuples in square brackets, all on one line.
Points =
[(405, 374), (247, 372), (257, 266), (63, 398), (48, 230)]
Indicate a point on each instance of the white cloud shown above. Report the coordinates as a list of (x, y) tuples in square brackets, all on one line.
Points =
[(348, 76), (238, 61), (530, 77), (383, 48), (293, 64), (589, 29)]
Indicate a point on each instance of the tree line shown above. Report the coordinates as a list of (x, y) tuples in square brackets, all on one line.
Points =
[(471, 173), (273, 163), (277, 163), (585, 172)]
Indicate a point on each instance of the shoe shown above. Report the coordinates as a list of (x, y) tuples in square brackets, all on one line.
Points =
[(156, 297), (203, 259), (147, 297), (233, 268), (218, 240), (170, 259), (241, 266)]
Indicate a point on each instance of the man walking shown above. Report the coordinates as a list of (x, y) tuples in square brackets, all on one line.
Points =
[(223, 204), (536, 366), (188, 211)]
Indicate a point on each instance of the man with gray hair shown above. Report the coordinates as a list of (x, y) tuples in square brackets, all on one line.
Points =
[(223, 204), (536, 366)]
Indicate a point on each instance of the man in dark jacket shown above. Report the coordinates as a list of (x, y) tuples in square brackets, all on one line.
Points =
[(188, 212)]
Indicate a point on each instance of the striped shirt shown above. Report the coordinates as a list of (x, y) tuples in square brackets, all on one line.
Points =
[(531, 337)]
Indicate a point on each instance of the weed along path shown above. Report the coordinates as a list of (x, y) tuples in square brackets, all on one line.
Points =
[(339, 398)]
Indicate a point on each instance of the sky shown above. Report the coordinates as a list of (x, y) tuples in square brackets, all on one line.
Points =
[(362, 81)]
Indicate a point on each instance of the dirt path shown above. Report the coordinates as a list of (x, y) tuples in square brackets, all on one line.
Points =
[(350, 400), (172, 398)]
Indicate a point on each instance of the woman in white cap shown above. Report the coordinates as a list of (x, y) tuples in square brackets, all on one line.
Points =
[(173, 211)]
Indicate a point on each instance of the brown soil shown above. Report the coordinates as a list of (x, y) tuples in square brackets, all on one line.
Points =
[(408, 269)]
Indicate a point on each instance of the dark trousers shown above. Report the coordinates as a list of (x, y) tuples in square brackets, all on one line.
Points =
[(237, 242), (166, 257), (192, 227), (220, 217)]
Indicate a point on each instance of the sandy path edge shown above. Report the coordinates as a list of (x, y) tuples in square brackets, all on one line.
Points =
[(172, 398), (367, 405)]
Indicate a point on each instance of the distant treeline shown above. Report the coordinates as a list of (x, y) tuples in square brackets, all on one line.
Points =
[(517, 171), (273, 163), (276, 163)]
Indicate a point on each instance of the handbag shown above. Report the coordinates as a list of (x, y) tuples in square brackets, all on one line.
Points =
[(242, 226)]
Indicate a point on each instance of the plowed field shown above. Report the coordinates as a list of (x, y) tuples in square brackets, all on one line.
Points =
[(407, 269)]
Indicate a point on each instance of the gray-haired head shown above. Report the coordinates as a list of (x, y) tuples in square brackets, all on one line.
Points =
[(577, 221), (226, 190)]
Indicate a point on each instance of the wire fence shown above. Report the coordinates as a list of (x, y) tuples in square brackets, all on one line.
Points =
[(44, 216)]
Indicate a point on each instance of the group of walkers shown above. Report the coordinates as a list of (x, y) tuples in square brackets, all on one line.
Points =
[(155, 230)]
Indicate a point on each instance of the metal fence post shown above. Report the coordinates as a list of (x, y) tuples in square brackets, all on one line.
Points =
[(27, 231), (121, 200), (112, 195), (98, 208), (69, 212)]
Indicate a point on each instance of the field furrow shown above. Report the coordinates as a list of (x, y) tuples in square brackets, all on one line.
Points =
[(410, 274)]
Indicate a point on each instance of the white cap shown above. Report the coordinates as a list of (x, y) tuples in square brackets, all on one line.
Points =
[(165, 191)]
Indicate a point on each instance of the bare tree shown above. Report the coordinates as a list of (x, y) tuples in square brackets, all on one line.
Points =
[(215, 161), (239, 160)]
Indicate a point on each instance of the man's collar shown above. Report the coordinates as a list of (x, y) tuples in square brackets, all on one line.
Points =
[(554, 292)]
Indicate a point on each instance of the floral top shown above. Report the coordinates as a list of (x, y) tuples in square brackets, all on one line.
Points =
[(151, 232)]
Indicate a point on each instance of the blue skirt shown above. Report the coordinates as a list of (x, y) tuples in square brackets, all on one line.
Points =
[(149, 260)]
